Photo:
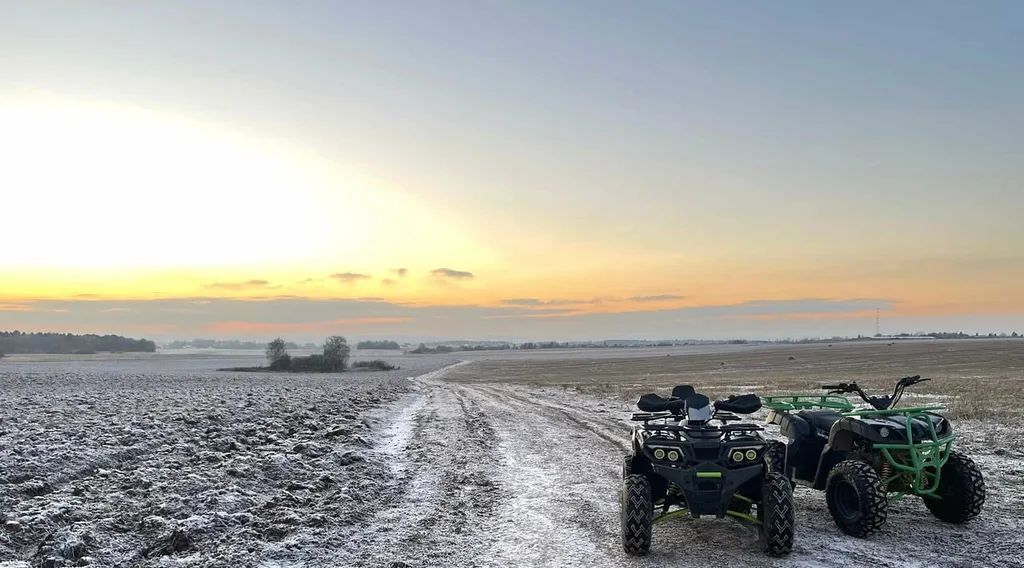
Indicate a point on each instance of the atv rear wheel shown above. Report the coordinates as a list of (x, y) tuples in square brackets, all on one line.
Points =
[(776, 514), (856, 498), (775, 456), (636, 512), (961, 491)]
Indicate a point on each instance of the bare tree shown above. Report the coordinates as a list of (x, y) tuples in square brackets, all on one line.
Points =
[(336, 351), (276, 350)]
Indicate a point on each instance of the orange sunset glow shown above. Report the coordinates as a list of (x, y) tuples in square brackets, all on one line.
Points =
[(390, 195)]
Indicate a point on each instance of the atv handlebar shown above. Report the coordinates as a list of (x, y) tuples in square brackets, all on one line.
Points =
[(879, 402)]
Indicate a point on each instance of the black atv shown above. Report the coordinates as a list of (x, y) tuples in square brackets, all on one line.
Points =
[(865, 458), (690, 459)]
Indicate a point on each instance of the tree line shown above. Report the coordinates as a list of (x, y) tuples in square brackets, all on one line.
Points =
[(69, 343), (384, 344)]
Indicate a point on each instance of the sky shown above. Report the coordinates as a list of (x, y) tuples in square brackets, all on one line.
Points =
[(511, 170)]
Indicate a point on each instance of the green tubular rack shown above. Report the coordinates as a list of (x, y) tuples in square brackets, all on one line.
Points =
[(806, 401), (924, 455)]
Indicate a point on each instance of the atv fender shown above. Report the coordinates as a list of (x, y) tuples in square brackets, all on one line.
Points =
[(830, 457), (792, 426)]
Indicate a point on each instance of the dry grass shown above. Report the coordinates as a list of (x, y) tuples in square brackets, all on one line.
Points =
[(977, 379)]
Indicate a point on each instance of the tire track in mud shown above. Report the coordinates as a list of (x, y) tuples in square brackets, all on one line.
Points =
[(608, 429), (560, 474), (445, 466)]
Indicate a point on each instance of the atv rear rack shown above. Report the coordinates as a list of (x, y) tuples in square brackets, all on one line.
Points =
[(789, 402)]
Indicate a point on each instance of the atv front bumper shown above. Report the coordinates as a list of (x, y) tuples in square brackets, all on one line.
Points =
[(709, 488)]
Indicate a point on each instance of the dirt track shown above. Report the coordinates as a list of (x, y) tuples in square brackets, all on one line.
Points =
[(513, 475)]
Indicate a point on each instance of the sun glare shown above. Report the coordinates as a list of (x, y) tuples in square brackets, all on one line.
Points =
[(121, 195), (91, 185)]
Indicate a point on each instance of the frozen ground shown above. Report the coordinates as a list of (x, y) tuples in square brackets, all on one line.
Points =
[(158, 462), (506, 460)]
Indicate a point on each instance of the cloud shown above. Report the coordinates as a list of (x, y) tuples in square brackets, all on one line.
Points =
[(248, 284), (539, 302), (388, 282), (522, 302), (349, 277), (302, 318), (401, 272), (799, 306), (452, 273), (657, 298)]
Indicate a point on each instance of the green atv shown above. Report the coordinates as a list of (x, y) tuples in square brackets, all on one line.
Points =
[(863, 458)]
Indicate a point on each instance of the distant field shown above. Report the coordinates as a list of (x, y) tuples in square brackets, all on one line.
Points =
[(975, 377)]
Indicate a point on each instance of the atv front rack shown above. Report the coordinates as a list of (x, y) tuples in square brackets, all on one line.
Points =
[(920, 461), (790, 402)]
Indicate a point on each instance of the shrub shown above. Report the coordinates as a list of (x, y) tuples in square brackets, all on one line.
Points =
[(375, 365), (282, 363), (311, 364)]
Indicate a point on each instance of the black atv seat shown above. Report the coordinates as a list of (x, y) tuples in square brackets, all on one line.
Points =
[(682, 391), (820, 420), (655, 403), (740, 404)]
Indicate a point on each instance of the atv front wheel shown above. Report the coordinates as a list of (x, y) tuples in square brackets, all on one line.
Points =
[(961, 491), (776, 514), (856, 498), (636, 512), (627, 467), (775, 456)]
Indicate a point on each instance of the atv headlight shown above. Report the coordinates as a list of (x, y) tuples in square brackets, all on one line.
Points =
[(751, 454), (673, 455), (737, 456), (884, 432), (659, 454)]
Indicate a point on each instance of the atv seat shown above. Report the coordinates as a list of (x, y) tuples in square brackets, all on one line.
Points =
[(820, 420), (655, 403), (682, 391), (742, 404)]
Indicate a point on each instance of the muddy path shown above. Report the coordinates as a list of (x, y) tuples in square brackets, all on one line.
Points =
[(495, 474)]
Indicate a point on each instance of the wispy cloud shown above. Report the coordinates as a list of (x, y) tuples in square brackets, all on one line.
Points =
[(388, 282), (247, 285), (657, 298), (452, 274), (349, 277), (539, 302), (400, 272)]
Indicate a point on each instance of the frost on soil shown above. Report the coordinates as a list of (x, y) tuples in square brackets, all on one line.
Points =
[(468, 467), (190, 469)]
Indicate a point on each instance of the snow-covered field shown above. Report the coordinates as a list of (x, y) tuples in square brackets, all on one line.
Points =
[(508, 459)]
